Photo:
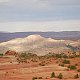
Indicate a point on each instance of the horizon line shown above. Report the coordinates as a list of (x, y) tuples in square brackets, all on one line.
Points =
[(38, 31)]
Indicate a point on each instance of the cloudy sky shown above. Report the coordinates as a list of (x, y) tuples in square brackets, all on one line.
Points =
[(39, 15)]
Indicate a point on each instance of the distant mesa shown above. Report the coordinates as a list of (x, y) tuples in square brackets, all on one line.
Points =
[(64, 35), (35, 44)]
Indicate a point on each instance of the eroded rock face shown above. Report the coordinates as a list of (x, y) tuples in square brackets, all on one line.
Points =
[(36, 44), (32, 43), (10, 52)]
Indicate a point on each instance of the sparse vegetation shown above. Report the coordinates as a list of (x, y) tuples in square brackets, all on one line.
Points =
[(72, 67), (61, 64), (1, 54), (39, 77), (41, 64), (61, 55), (52, 75), (23, 55), (60, 76), (66, 61), (58, 55), (41, 57), (78, 70), (76, 64), (65, 56), (34, 78), (76, 76)]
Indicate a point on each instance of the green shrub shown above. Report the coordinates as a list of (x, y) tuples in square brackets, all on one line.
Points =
[(52, 75), (72, 67), (1, 54), (60, 76), (58, 55), (76, 76), (61, 65), (66, 62), (23, 55)]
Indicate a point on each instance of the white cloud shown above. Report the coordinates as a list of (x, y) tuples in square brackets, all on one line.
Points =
[(28, 4), (2, 1), (54, 2), (67, 25), (40, 3), (16, 10)]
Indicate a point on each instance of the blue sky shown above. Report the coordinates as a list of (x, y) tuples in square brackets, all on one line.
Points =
[(39, 15)]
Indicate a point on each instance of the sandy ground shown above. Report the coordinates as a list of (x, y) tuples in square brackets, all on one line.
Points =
[(26, 71)]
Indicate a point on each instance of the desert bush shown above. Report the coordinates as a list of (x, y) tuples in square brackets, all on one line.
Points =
[(32, 55), (27, 55), (66, 61), (62, 55), (76, 76), (76, 64), (52, 75), (41, 64), (72, 67), (61, 64), (1, 54), (23, 55), (34, 78), (49, 55), (78, 70), (58, 55), (39, 77), (60, 76), (71, 56), (65, 56)]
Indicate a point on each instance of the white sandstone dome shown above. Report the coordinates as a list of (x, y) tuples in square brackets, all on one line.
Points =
[(35, 37)]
